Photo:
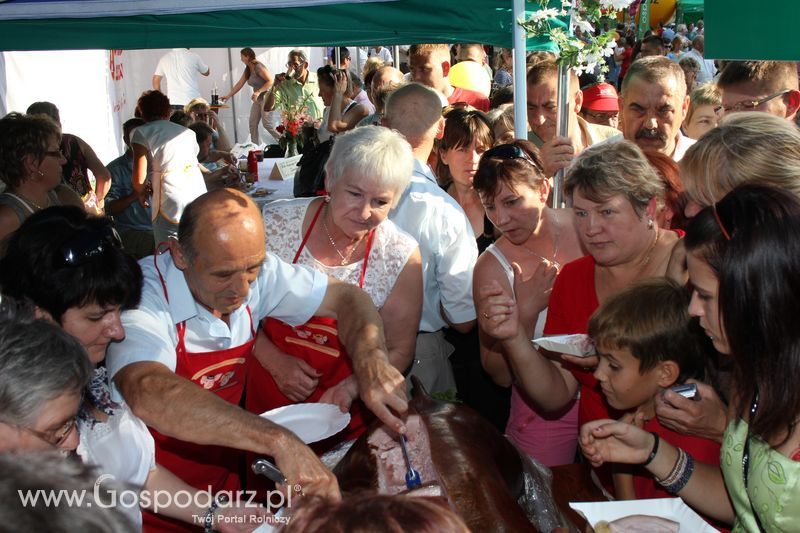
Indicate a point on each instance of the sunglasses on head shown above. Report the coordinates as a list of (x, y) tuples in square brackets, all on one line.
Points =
[(509, 151), (87, 245)]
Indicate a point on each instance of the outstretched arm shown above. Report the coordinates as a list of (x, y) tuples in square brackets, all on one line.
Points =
[(381, 386), (148, 386)]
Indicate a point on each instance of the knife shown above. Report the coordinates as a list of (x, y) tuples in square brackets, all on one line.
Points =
[(412, 476), (269, 470)]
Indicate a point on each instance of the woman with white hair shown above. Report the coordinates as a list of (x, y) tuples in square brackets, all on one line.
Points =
[(348, 236)]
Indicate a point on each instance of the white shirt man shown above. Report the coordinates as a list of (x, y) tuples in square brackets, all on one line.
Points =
[(180, 67)]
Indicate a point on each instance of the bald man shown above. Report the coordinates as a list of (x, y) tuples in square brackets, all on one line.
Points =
[(385, 80), (182, 366)]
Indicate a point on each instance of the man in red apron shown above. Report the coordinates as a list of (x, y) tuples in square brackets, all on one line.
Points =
[(182, 365)]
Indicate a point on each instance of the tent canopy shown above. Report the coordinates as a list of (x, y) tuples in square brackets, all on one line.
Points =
[(746, 30), (307, 23), (690, 10)]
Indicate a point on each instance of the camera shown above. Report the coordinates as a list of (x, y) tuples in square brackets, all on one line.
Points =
[(687, 390)]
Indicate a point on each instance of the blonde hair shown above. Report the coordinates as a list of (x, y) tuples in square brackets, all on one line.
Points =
[(747, 147), (372, 64), (607, 169), (439, 51), (706, 94), (197, 102)]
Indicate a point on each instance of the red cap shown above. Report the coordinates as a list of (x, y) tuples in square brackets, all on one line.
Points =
[(600, 97)]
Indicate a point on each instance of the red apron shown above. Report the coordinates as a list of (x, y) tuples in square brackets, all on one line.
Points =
[(317, 343), (201, 466)]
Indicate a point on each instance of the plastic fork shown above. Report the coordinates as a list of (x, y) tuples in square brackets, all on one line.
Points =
[(412, 476)]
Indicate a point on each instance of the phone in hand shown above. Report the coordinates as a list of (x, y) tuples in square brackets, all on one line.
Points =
[(687, 390)]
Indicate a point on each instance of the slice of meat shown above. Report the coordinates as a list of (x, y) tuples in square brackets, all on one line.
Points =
[(639, 523)]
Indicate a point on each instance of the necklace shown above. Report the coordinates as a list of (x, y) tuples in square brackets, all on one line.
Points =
[(557, 234), (649, 253), (345, 258), (30, 204)]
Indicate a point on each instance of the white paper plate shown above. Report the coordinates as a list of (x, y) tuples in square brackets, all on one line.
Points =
[(670, 508), (579, 345), (311, 422)]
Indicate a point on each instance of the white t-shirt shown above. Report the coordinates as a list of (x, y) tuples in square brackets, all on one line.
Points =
[(447, 246), (175, 174), (383, 53), (121, 447), (180, 67), (291, 293)]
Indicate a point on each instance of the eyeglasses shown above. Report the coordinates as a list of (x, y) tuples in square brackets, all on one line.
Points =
[(752, 104), (55, 438), (599, 115), (509, 151), (90, 244), (58, 154)]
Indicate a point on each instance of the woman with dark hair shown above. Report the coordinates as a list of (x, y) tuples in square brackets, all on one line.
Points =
[(30, 167), (80, 158), (467, 135), (341, 113), (535, 241), (257, 76), (73, 268), (172, 151), (744, 265)]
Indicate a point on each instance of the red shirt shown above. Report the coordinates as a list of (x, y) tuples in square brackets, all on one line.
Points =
[(473, 98), (572, 302)]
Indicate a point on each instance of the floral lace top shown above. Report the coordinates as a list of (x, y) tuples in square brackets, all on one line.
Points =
[(773, 491), (98, 395), (391, 247)]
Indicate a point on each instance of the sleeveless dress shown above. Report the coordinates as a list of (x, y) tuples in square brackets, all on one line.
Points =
[(549, 438)]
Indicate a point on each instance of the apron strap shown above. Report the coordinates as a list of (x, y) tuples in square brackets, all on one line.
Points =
[(370, 238)]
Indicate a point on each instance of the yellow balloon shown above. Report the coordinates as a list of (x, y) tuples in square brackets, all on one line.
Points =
[(470, 75), (660, 11)]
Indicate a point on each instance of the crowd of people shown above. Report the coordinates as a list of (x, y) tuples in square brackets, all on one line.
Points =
[(146, 342)]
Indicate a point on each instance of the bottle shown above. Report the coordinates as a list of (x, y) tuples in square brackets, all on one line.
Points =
[(214, 96), (252, 165)]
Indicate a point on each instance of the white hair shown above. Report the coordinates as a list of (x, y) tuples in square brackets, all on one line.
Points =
[(372, 153)]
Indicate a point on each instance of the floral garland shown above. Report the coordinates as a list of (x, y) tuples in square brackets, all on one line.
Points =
[(585, 53)]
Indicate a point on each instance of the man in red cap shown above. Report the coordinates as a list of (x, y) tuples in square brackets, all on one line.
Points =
[(601, 105)]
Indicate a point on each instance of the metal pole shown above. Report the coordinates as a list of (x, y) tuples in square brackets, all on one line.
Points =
[(232, 100), (396, 56), (520, 86), (358, 60), (562, 120)]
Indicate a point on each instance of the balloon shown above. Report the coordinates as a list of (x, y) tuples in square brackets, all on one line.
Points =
[(470, 75), (660, 11)]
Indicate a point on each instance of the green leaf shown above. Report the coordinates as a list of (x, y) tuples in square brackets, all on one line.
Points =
[(775, 473)]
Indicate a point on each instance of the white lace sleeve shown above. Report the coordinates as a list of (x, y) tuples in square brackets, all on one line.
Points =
[(390, 252), (283, 226)]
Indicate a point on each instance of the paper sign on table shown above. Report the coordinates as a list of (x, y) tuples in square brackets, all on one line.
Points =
[(285, 168)]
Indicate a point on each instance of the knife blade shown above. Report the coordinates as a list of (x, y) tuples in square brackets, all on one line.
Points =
[(269, 470)]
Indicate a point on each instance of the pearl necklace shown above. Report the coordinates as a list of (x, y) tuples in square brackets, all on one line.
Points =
[(345, 258)]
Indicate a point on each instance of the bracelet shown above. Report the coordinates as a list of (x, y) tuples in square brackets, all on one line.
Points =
[(208, 519), (680, 474), (654, 451)]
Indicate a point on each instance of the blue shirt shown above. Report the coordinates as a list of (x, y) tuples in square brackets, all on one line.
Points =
[(134, 217)]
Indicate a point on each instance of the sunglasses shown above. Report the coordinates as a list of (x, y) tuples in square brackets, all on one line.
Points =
[(90, 244), (509, 151)]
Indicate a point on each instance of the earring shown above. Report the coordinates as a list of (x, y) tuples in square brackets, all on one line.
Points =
[(649, 223)]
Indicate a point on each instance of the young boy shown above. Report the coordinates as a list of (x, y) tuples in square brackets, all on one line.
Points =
[(646, 342)]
